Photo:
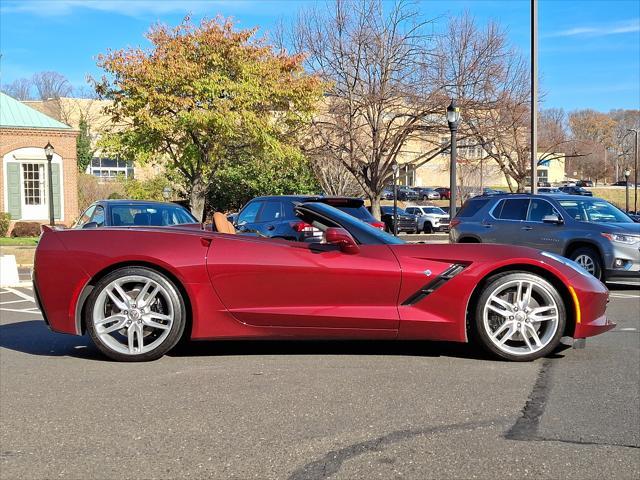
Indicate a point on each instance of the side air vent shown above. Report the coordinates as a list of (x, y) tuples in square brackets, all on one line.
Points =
[(434, 284)]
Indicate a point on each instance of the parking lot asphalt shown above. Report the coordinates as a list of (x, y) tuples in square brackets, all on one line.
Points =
[(316, 410)]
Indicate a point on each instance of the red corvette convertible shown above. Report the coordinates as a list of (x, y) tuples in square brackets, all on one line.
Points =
[(137, 291)]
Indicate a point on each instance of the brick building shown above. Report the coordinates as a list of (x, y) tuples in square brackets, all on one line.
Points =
[(23, 167)]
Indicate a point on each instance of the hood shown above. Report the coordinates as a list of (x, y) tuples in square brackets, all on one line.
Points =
[(630, 228)]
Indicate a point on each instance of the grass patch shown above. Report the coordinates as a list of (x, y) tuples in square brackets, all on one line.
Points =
[(19, 241)]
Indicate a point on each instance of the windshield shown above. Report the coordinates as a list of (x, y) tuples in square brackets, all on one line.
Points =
[(359, 212), (596, 211), (435, 210), (363, 232), (389, 210), (153, 215)]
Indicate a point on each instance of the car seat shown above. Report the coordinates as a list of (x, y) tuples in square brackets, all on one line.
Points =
[(222, 225), (141, 219)]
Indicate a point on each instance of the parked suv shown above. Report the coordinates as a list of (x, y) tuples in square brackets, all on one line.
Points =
[(590, 231), (406, 222), (430, 219), (576, 191), (425, 193), (274, 216)]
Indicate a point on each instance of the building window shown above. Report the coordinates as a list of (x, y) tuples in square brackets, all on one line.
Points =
[(33, 183), (110, 168), (407, 175)]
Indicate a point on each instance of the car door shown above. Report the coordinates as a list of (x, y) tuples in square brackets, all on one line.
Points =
[(283, 284), (506, 221), (269, 219), (537, 234)]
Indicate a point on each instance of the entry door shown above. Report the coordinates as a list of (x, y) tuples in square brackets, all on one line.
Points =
[(34, 203), (279, 283)]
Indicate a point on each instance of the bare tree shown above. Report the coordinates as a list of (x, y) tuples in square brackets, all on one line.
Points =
[(378, 98), (19, 89), (51, 85), (623, 148), (334, 178)]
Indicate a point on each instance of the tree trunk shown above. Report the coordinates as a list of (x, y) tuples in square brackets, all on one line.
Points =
[(198, 197), (375, 205)]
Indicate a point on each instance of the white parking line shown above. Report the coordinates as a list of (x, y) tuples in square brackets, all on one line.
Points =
[(20, 294), (623, 295), (30, 311), (14, 301), (629, 329)]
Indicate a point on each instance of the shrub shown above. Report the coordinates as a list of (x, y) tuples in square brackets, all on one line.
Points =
[(5, 219), (26, 229)]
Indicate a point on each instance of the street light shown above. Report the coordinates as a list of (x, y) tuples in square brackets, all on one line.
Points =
[(453, 117), (48, 152), (394, 169), (166, 192), (626, 188)]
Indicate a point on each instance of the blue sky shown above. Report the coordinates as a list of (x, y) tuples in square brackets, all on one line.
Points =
[(589, 53)]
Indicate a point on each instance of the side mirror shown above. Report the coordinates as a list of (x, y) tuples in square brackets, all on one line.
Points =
[(90, 225), (552, 219), (342, 238)]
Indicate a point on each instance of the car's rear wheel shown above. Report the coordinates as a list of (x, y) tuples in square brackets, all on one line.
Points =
[(519, 316), (588, 259), (135, 314)]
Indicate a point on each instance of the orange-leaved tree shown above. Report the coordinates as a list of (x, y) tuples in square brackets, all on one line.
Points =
[(205, 94)]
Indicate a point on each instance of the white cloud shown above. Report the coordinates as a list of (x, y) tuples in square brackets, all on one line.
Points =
[(631, 26), (124, 7)]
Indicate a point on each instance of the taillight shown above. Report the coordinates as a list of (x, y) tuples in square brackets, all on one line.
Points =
[(379, 225), (302, 227), (454, 223)]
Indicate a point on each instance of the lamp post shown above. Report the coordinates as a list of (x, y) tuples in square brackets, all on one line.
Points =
[(453, 117), (394, 169), (626, 188), (166, 193), (635, 169), (48, 152)]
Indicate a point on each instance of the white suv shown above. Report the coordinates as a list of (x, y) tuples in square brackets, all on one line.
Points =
[(430, 219)]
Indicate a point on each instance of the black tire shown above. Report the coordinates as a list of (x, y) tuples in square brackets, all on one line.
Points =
[(588, 254), (165, 341), (428, 228), (479, 331)]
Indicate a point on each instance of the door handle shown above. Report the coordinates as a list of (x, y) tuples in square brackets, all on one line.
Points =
[(527, 228), (487, 225), (271, 227)]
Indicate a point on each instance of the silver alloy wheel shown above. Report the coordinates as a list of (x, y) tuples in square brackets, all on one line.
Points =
[(521, 317), (586, 262), (133, 315)]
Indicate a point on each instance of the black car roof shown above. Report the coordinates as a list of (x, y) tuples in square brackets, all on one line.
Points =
[(310, 198), (122, 201), (530, 195)]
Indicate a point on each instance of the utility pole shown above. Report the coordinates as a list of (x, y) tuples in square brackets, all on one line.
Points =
[(534, 95)]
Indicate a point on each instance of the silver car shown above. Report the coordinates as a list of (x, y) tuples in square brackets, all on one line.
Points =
[(592, 232)]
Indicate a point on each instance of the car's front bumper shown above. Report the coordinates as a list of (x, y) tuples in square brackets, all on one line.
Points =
[(623, 261), (590, 298)]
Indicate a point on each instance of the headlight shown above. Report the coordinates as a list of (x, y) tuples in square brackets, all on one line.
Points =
[(569, 263), (621, 238)]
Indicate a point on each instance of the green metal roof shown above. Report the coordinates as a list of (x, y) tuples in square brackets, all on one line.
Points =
[(15, 114)]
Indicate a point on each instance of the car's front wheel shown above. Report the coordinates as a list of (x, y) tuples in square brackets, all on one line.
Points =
[(588, 259), (428, 228), (519, 316), (135, 314)]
